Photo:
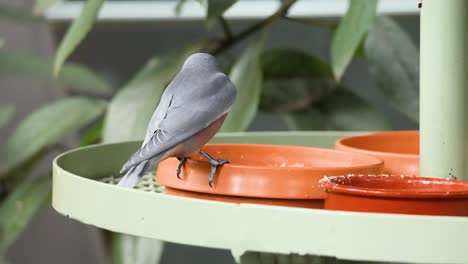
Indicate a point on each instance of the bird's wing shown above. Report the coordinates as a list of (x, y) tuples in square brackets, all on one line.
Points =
[(158, 115), (161, 141), (184, 118)]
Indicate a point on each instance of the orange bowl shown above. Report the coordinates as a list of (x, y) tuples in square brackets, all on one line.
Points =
[(396, 194), (398, 149), (264, 171)]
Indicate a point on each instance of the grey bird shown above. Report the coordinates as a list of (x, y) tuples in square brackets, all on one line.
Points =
[(191, 111)]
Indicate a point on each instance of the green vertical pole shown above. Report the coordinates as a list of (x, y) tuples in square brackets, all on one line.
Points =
[(444, 89)]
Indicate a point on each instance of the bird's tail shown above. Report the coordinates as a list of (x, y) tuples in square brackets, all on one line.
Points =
[(132, 177)]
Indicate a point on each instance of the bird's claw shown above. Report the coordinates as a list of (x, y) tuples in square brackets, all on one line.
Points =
[(215, 163), (222, 162), (179, 167)]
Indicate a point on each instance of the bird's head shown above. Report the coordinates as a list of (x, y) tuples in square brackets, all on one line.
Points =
[(203, 61)]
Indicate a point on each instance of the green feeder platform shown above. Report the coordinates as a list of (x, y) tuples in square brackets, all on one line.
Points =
[(84, 191)]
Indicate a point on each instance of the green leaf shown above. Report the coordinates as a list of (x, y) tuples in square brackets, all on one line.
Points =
[(128, 249), (344, 110), (24, 169), (83, 79), (6, 113), (361, 50), (246, 74), (77, 32), (42, 5), (341, 110), (2, 43), (394, 63), (79, 78), (181, 3), (294, 79), (46, 126), (215, 9), (295, 94), (302, 85), (93, 135), (132, 107), (20, 207), (178, 7), (350, 32), (289, 63)]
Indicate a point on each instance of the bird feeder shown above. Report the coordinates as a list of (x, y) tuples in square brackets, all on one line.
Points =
[(247, 227), (398, 149)]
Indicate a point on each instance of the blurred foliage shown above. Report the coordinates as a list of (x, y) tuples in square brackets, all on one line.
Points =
[(246, 74), (350, 32), (77, 32), (21, 205), (136, 250), (308, 92), (42, 5), (272, 258), (214, 9), (73, 76), (36, 132), (6, 113), (396, 68)]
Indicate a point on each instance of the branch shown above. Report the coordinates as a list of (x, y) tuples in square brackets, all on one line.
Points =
[(314, 22), (226, 28), (227, 43)]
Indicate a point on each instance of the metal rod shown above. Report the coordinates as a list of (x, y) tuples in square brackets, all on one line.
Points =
[(444, 89)]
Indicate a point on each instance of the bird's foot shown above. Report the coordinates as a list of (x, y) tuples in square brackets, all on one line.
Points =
[(215, 163), (179, 166), (214, 166)]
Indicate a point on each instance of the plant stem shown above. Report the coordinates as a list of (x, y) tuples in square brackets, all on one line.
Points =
[(229, 42), (226, 28), (314, 22)]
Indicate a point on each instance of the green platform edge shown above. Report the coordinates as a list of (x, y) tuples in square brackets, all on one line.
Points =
[(247, 227)]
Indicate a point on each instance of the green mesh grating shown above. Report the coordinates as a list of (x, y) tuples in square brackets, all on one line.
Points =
[(147, 183)]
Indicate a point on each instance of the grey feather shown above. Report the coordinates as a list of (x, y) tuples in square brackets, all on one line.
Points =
[(132, 176), (199, 95)]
